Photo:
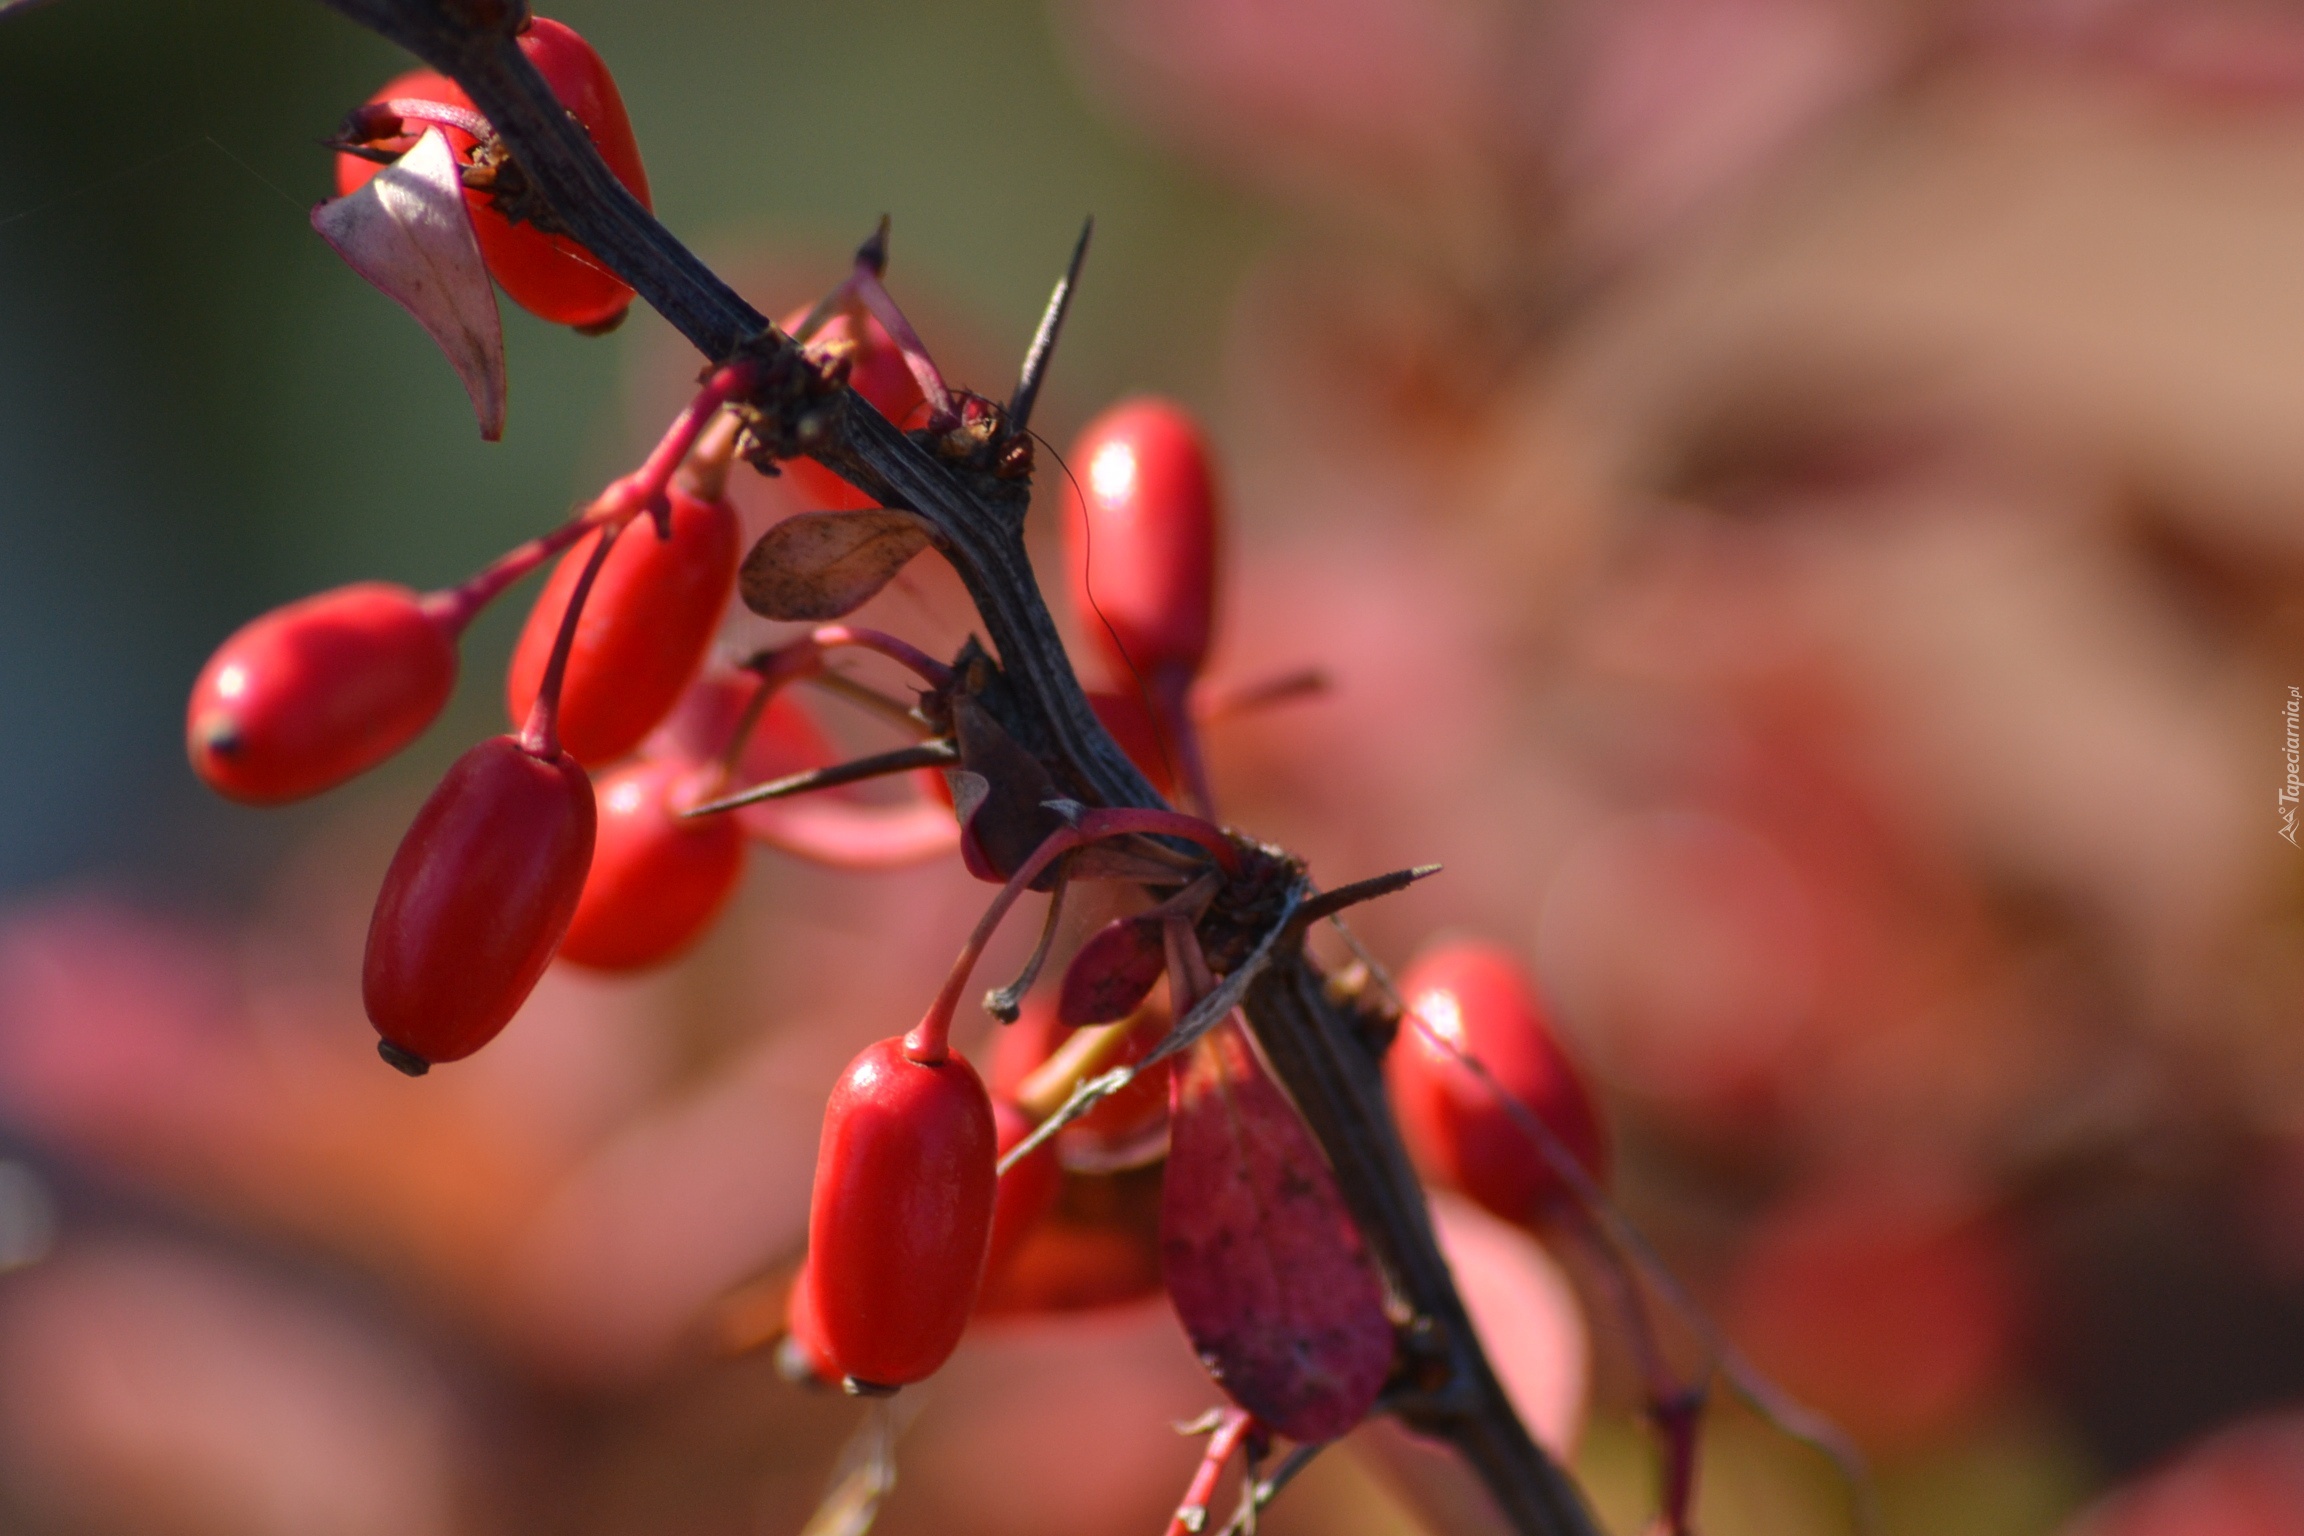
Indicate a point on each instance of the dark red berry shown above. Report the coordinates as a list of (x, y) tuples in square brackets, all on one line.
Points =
[(305, 697), (476, 900), (548, 275), (642, 635), (1479, 998), (658, 878), (1140, 537), (901, 1215)]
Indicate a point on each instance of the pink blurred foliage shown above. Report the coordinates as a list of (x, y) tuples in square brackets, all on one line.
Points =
[(2247, 1480), (146, 1387)]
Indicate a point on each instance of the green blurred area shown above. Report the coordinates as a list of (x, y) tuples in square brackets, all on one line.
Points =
[(204, 413)]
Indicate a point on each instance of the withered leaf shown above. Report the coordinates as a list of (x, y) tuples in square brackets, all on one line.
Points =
[(824, 565), (1001, 828), (1112, 972), (1267, 1272), (408, 232)]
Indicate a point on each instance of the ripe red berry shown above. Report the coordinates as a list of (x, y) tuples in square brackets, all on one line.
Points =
[(658, 878), (1478, 997), (643, 632), (548, 275), (878, 372), (1140, 540), (476, 899), (901, 1215), (305, 697)]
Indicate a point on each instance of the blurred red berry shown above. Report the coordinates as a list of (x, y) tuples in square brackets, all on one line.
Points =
[(476, 899), (642, 634), (657, 878), (1140, 536), (311, 694), (1027, 1191), (1891, 1310), (901, 1214), (1478, 998)]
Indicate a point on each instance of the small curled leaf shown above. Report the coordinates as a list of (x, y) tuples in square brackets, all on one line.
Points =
[(409, 233), (825, 565)]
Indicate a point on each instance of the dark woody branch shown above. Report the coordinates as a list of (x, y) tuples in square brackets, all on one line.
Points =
[(1317, 1044)]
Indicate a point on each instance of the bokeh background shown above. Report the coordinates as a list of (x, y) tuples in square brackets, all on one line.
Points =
[(1801, 503)]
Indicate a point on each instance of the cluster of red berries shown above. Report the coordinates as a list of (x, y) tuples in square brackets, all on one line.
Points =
[(520, 856)]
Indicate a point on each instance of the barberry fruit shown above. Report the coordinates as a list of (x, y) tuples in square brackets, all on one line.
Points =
[(476, 899), (1477, 998), (1140, 537), (901, 1215), (547, 274), (657, 878), (311, 694), (643, 632)]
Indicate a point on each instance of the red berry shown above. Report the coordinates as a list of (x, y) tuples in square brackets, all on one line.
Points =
[(1027, 1191), (1140, 541), (548, 275), (658, 878), (476, 900), (1478, 997), (305, 697), (901, 1215), (878, 372), (643, 632)]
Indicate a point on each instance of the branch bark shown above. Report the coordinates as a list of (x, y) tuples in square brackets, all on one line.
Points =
[(1315, 1044)]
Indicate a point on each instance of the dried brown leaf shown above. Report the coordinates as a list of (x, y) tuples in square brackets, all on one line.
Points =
[(825, 565)]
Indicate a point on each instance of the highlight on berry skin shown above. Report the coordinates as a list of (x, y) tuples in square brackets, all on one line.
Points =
[(1468, 1129)]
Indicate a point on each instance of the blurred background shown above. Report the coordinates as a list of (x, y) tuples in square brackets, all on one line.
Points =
[(1802, 506)]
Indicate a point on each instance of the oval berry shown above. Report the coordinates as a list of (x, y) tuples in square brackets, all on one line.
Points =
[(1478, 997), (643, 632), (477, 898), (901, 1215), (547, 275), (657, 878), (1140, 536), (878, 372), (311, 694)]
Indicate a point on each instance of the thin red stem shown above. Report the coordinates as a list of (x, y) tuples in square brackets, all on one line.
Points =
[(926, 667), (1118, 821), (453, 608), (1172, 701), (643, 489), (1233, 1426), (541, 735), (928, 1041)]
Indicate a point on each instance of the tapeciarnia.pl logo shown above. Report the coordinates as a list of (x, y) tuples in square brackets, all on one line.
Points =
[(2295, 785)]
